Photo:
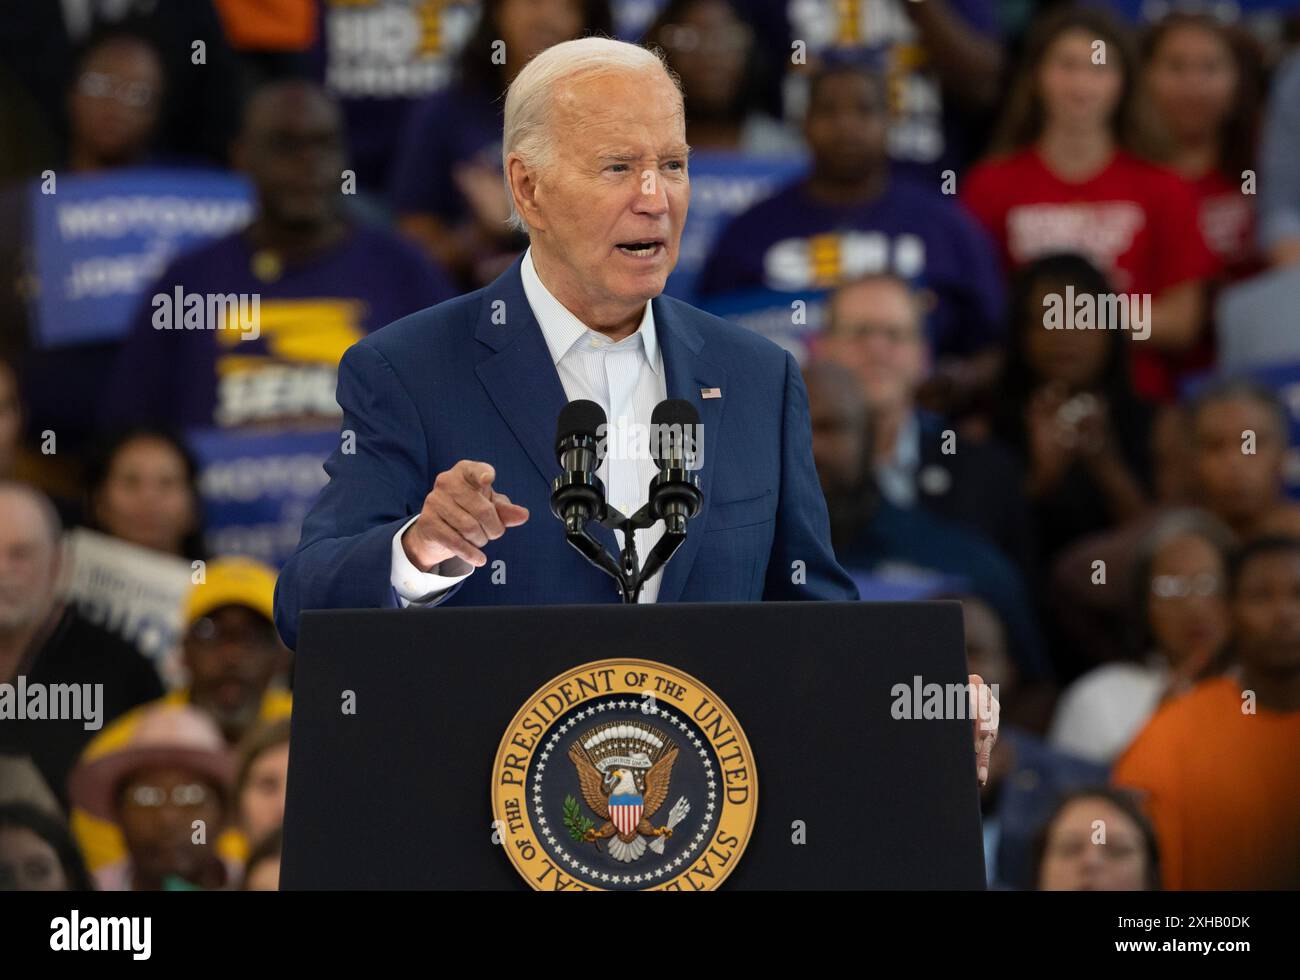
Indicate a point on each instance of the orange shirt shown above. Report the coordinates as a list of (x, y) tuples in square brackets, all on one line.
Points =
[(1224, 790), (268, 25)]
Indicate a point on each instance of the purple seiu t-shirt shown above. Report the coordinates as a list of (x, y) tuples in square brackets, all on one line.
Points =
[(272, 361), (793, 244), (380, 59)]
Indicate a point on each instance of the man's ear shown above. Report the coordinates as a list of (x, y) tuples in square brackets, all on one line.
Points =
[(523, 188)]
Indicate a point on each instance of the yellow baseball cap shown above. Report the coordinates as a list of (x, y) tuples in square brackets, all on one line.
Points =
[(233, 582)]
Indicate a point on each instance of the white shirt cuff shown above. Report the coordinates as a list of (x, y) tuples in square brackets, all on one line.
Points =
[(417, 588)]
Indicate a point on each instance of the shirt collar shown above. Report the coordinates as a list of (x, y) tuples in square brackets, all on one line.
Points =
[(561, 329), (907, 445)]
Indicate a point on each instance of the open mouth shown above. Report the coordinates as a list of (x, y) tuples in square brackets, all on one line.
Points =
[(647, 248)]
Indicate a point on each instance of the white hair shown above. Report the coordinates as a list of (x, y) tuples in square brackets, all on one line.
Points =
[(529, 101)]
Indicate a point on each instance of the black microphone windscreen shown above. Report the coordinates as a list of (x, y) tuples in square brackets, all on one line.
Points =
[(580, 418), (674, 423), (675, 411)]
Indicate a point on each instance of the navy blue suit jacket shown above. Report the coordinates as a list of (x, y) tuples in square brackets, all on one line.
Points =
[(472, 378)]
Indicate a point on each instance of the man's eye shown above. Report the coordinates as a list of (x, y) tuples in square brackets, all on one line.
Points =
[(620, 167)]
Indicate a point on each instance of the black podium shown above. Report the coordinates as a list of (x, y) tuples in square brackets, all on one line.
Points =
[(400, 748)]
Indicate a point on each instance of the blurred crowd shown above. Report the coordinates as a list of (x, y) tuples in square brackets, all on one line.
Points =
[(900, 192)]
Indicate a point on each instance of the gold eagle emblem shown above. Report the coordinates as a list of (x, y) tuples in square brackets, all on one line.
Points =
[(624, 771)]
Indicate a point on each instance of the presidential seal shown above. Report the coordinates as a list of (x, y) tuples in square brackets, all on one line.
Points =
[(624, 775)]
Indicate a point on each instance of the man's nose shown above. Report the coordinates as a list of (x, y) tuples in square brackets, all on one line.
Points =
[(232, 652), (171, 817), (653, 196), (876, 346), (152, 493)]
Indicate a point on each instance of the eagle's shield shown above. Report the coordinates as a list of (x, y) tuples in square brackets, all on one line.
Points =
[(625, 812)]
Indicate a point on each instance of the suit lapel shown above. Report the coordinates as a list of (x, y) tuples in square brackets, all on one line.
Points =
[(687, 373), (519, 376), (521, 379)]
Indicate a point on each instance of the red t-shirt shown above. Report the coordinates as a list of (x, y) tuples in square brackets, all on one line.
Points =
[(1136, 221), (1227, 220)]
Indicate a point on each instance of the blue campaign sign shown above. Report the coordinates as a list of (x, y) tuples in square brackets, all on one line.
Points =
[(100, 240), (257, 487), (788, 319), (722, 186)]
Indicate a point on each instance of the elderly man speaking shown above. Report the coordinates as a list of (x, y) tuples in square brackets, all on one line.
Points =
[(448, 447), (448, 409)]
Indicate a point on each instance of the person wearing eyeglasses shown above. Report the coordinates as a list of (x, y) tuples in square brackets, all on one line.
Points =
[(1219, 767), (711, 48), (1068, 855), (232, 655), (114, 103), (168, 788), (876, 327), (1179, 626)]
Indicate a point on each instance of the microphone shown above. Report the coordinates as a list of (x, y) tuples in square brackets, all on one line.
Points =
[(577, 495), (675, 493)]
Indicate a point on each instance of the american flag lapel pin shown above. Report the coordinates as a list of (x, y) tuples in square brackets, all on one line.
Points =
[(710, 392)]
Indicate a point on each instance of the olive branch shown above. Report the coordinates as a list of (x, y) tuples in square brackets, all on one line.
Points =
[(577, 824)]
